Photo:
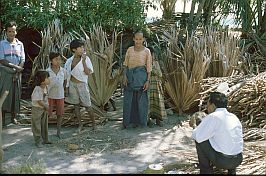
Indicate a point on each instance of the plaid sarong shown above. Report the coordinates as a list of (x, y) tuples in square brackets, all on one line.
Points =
[(156, 103)]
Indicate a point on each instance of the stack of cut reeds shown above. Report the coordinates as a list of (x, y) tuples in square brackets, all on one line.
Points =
[(246, 99), (69, 118), (249, 102), (253, 162)]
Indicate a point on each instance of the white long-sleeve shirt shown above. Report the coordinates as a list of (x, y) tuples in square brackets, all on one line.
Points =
[(78, 70), (224, 131)]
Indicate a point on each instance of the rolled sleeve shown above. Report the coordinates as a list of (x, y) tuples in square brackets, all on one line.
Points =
[(2, 56), (22, 59)]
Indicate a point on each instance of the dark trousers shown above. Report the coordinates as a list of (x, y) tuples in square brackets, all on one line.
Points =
[(208, 157)]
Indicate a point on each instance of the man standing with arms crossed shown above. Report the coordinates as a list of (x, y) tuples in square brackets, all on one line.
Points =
[(12, 58)]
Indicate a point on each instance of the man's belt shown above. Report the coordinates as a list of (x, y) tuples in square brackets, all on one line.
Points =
[(230, 156), (8, 69)]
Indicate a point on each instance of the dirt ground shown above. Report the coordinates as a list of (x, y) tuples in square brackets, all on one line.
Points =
[(109, 150)]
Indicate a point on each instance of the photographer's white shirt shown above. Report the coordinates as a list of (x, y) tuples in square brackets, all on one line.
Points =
[(224, 131)]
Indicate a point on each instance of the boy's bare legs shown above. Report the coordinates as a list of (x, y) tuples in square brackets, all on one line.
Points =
[(92, 116), (78, 115), (59, 123)]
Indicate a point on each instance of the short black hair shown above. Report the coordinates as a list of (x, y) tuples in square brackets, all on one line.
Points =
[(52, 55), (10, 24), (40, 76), (218, 99), (75, 44), (138, 32)]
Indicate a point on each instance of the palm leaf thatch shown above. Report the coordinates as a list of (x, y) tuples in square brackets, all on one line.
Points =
[(184, 68), (101, 51), (224, 51), (53, 39)]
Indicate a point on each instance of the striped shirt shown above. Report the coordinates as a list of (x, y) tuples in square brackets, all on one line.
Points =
[(13, 53)]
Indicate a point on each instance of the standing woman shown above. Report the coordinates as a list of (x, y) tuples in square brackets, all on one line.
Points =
[(136, 82), (156, 108), (12, 58)]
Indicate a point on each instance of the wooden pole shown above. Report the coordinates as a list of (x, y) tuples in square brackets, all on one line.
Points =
[(2, 99)]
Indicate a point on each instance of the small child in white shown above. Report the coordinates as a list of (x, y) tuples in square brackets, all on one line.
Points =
[(40, 108)]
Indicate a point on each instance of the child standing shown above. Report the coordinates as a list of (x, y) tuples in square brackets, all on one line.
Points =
[(56, 88), (78, 68), (136, 81), (157, 108), (40, 107)]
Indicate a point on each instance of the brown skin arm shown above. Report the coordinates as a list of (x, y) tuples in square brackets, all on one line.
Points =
[(86, 69), (125, 81), (45, 106), (19, 68), (66, 89), (147, 83)]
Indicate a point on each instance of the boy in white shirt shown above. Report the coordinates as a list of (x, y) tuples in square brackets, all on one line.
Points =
[(78, 68), (58, 77)]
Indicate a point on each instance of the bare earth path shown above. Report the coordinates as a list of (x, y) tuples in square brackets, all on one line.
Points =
[(112, 150), (109, 150)]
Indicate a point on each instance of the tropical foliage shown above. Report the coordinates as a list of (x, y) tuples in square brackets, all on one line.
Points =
[(102, 51), (184, 66), (110, 14), (53, 39)]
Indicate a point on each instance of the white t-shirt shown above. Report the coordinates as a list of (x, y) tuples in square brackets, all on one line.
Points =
[(224, 131), (78, 70), (39, 94), (56, 86)]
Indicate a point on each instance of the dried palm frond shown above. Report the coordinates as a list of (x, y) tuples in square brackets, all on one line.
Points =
[(224, 51), (53, 39), (184, 68), (101, 51)]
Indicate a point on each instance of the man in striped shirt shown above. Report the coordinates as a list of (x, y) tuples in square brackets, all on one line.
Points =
[(12, 58)]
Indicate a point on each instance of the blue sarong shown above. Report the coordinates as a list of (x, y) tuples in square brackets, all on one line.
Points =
[(135, 102)]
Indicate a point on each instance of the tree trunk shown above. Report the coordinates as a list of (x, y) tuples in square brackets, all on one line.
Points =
[(199, 12), (2, 99), (209, 7), (168, 7), (191, 16), (263, 22)]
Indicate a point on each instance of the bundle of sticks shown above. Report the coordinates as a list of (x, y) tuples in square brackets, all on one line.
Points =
[(246, 97)]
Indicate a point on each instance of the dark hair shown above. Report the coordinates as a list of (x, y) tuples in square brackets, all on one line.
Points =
[(40, 77), (10, 24), (138, 32), (53, 55), (75, 44), (218, 99)]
